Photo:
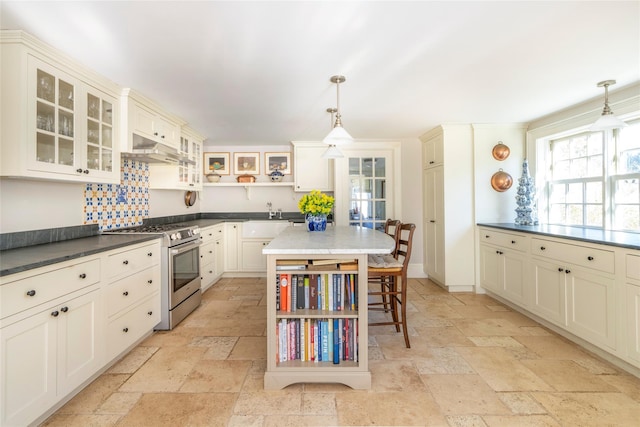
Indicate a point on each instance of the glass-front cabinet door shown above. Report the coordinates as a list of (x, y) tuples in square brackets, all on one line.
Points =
[(55, 121), (196, 168), (99, 140)]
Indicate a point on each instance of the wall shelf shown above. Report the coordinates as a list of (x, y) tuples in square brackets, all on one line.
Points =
[(248, 185)]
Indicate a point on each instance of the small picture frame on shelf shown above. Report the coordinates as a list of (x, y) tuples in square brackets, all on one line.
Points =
[(246, 163), (277, 161), (217, 163)]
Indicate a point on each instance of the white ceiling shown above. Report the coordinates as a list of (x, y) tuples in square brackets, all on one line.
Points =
[(258, 72)]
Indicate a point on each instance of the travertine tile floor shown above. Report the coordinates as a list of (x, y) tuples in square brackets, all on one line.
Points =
[(473, 362)]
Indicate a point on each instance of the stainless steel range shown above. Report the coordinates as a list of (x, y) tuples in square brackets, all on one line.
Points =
[(180, 263)]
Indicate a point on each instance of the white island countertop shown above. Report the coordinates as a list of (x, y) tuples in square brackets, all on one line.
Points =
[(336, 240)]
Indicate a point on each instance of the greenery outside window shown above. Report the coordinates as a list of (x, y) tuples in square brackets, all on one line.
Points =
[(594, 179)]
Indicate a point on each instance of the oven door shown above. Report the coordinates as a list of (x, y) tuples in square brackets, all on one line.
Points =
[(184, 271)]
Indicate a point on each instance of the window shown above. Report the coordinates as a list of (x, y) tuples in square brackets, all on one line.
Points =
[(594, 179), (368, 198)]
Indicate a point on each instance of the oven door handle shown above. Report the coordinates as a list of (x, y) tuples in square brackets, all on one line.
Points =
[(186, 247)]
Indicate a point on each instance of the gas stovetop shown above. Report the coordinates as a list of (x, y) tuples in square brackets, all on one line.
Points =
[(176, 233)]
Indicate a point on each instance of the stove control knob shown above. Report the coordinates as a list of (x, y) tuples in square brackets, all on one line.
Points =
[(173, 236), (178, 236), (196, 230)]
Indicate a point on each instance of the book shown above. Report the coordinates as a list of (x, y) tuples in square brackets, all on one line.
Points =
[(284, 292), (306, 292), (277, 292), (322, 267), (330, 339), (300, 280), (294, 293), (292, 262), (330, 261), (290, 267), (313, 292), (325, 340), (348, 266), (336, 341)]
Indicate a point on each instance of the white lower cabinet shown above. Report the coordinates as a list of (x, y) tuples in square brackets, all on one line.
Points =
[(48, 354), (211, 255), (232, 232), (252, 257), (577, 286)]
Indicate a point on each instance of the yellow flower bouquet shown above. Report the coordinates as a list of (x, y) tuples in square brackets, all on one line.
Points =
[(316, 203)]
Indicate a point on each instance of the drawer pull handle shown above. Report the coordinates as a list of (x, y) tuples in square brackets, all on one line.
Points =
[(149, 281), (150, 254), (64, 309), (513, 242), (83, 275), (210, 252), (431, 162), (486, 236), (567, 271), (125, 293), (501, 252), (590, 258), (125, 330), (432, 221), (560, 269), (150, 313), (125, 262), (55, 313), (542, 248), (31, 293)]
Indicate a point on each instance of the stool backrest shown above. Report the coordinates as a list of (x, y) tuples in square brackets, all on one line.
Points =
[(392, 228), (405, 241)]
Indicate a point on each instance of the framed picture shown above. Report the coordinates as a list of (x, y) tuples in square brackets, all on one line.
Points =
[(277, 161), (246, 163), (216, 163)]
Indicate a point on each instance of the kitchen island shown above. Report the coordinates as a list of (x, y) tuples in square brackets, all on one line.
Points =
[(303, 345)]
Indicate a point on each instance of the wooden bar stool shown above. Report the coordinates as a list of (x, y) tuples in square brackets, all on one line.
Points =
[(391, 275)]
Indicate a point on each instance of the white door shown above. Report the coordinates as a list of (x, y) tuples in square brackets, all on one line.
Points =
[(365, 188)]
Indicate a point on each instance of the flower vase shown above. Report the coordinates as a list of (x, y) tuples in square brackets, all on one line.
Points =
[(316, 222)]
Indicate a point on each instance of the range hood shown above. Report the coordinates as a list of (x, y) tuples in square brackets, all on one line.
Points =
[(147, 150)]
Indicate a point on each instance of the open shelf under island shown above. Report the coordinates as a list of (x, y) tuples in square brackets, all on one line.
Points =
[(317, 305)]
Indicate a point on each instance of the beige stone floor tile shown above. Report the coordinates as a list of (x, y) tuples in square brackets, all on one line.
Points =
[(465, 421), (552, 347), (82, 420), (597, 366), (219, 376), (161, 339), (475, 312), (119, 403), (443, 336), (486, 327), (521, 403), (246, 421), (520, 421), (445, 360), (249, 348), (300, 421), (181, 409), (366, 408), (319, 404), (566, 375), (393, 347), (395, 375), (535, 331), (464, 395), (218, 348), (591, 409), (495, 342), (166, 371), (470, 299), (375, 353), (94, 394), (501, 370), (258, 367), (271, 402), (625, 383), (255, 384), (133, 361), (497, 307)]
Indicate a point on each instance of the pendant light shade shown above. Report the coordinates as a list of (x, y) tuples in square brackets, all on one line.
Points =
[(338, 135), (607, 120), (332, 152)]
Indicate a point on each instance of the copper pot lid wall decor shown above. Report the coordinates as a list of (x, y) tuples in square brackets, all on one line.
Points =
[(500, 151), (501, 181), (190, 198)]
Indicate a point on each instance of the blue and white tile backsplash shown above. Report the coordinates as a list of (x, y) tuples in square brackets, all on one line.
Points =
[(119, 205)]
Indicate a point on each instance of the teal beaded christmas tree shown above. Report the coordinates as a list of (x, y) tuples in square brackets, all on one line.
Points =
[(527, 210)]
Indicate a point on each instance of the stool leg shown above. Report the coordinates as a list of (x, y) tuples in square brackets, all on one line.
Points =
[(403, 304)]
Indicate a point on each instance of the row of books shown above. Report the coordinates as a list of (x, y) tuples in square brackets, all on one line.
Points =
[(317, 264), (317, 340), (331, 292)]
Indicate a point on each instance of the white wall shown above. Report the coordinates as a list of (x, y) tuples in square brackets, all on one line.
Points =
[(412, 197), (34, 205)]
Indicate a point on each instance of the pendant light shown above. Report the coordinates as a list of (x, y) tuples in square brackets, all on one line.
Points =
[(607, 120), (332, 152), (338, 135)]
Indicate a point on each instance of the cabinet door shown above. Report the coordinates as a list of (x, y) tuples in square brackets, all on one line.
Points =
[(53, 120), (490, 265), (591, 307), (80, 335), (310, 170), (252, 257), (142, 120), (633, 321), (549, 291), (28, 368), (514, 276), (434, 223), (219, 257), (102, 159), (433, 154), (231, 233)]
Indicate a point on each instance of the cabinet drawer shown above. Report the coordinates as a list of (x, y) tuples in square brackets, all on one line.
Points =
[(207, 253), (132, 289), (125, 330), (210, 234), (208, 274), (513, 241), (31, 291), (633, 266), (584, 256), (127, 262)]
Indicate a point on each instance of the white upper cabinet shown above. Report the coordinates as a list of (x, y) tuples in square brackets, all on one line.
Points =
[(185, 174), (310, 170), (59, 121), (143, 118)]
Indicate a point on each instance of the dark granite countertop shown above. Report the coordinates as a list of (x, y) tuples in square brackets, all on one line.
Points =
[(601, 237), (22, 259)]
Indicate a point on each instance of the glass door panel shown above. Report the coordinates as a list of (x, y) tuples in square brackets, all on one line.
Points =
[(99, 134), (367, 182)]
